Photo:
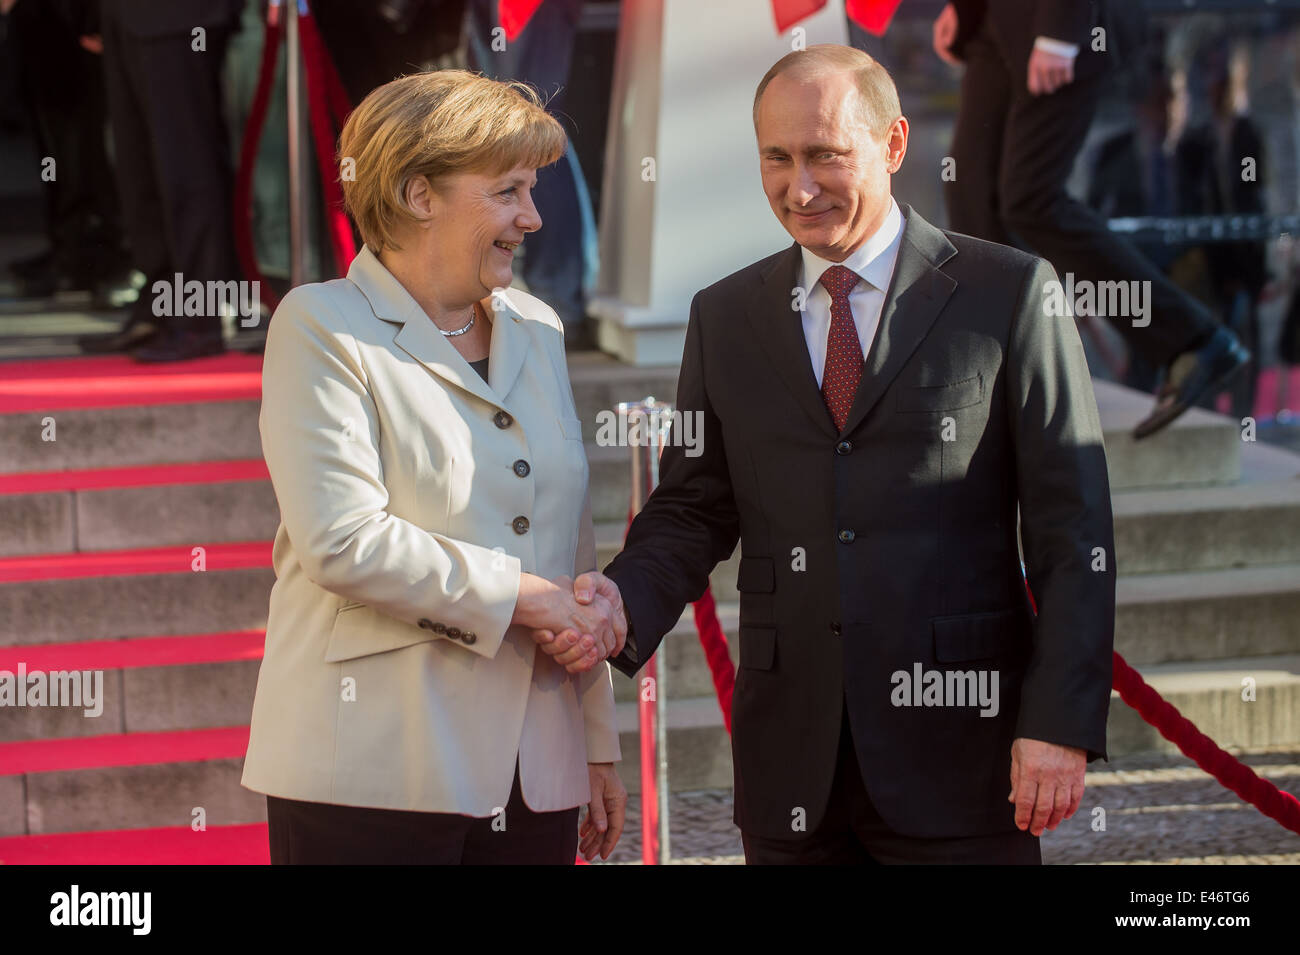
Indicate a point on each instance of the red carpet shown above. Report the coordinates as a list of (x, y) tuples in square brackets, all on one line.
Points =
[(122, 749), (136, 652), (218, 845), (194, 472), (150, 560), (118, 381)]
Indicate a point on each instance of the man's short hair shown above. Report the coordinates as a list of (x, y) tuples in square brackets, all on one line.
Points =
[(877, 95)]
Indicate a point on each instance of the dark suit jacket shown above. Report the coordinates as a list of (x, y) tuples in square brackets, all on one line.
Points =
[(151, 18), (888, 546), (1014, 24)]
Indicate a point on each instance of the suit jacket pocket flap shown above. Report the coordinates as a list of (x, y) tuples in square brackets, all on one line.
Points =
[(757, 575), (977, 636), (949, 397), (359, 632), (757, 647)]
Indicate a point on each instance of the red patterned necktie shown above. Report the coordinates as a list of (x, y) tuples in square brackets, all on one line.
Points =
[(844, 362)]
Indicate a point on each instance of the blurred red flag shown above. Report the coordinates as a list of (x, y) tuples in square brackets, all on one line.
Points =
[(872, 15), (514, 15)]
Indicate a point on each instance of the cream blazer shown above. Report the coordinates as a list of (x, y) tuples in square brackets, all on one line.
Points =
[(412, 496)]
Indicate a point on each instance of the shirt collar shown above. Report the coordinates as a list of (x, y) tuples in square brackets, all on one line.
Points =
[(873, 260)]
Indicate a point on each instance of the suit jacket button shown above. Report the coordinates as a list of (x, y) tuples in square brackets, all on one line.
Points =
[(835, 628), (439, 628), (502, 420), (426, 623), (521, 467), (846, 536), (520, 524), (453, 632), (844, 447), (468, 638)]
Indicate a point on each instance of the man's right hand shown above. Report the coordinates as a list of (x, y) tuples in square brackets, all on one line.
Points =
[(945, 32), (575, 636)]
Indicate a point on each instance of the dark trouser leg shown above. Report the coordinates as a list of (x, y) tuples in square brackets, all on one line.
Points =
[(133, 161), (1042, 139), (311, 833), (522, 836), (972, 197), (833, 841)]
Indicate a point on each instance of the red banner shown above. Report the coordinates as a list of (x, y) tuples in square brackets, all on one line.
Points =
[(872, 15)]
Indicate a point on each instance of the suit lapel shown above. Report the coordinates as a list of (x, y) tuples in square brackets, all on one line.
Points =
[(917, 293), (778, 328), (421, 339)]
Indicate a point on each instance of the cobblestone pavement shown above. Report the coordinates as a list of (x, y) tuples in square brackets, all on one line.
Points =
[(1157, 809)]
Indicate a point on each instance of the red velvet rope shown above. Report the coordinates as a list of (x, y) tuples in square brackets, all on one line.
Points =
[(328, 107), (243, 192), (1136, 692)]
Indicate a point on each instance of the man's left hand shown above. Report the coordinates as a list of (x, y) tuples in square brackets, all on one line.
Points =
[(1046, 783), (1048, 72)]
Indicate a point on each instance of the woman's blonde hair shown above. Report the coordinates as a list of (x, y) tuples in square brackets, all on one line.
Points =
[(434, 124)]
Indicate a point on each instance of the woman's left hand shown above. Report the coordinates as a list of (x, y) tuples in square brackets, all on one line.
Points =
[(605, 813)]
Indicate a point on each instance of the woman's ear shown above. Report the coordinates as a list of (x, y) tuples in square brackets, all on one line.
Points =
[(421, 198)]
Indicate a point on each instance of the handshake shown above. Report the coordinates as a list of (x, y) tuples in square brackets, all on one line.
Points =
[(578, 623)]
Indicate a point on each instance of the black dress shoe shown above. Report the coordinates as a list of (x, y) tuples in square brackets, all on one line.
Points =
[(179, 346), (132, 335), (1192, 376)]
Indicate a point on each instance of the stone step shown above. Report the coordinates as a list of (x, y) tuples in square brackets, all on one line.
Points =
[(85, 597), (129, 781), (149, 684), (122, 508), (1200, 448)]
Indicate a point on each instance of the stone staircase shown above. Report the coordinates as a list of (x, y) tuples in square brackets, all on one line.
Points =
[(99, 570)]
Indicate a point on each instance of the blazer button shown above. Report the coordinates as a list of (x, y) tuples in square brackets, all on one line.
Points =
[(835, 628), (426, 623), (439, 628), (502, 420), (468, 638), (520, 524), (844, 447), (521, 467), (453, 632), (846, 536)]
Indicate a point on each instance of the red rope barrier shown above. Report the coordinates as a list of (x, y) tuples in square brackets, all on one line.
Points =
[(1179, 730), (243, 191), (1133, 690), (328, 107)]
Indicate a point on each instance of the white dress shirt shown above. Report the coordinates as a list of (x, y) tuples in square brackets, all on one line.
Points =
[(874, 263)]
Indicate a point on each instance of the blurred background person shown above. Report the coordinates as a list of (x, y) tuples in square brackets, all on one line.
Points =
[(61, 88), (162, 72), (420, 431), (1032, 83), (559, 262)]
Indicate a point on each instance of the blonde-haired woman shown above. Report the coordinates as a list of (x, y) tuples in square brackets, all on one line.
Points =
[(414, 705)]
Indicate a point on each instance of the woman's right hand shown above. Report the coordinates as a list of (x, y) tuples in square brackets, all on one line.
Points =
[(548, 608)]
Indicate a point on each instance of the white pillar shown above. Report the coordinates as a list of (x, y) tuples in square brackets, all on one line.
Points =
[(682, 204)]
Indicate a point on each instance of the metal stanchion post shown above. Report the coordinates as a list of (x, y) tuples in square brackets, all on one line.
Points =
[(648, 420), (301, 236)]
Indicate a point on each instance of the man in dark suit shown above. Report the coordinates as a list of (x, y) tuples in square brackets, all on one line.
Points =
[(162, 72), (875, 403), (1034, 74)]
